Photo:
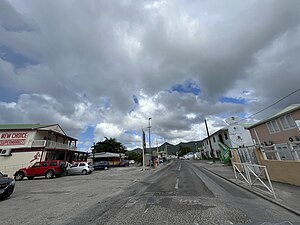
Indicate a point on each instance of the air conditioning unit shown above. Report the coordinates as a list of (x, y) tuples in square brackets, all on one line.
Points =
[(268, 143), (5, 152), (294, 138)]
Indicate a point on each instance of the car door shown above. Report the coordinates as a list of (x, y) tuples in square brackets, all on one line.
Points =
[(43, 169), (81, 167), (73, 169), (35, 169)]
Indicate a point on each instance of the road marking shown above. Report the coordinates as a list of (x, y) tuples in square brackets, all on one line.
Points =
[(176, 185), (179, 168)]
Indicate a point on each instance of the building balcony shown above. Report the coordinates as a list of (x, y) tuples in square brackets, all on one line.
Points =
[(53, 145)]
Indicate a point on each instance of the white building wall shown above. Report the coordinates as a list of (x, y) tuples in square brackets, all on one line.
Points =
[(10, 164), (215, 144)]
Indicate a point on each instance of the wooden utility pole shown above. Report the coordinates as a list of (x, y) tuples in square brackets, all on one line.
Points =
[(212, 151)]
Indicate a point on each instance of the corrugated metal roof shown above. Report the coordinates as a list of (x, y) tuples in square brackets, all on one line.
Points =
[(22, 126), (108, 154), (289, 109)]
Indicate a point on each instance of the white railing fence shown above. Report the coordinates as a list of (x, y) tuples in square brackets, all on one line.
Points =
[(283, 151), (260, 182), (52, 144)]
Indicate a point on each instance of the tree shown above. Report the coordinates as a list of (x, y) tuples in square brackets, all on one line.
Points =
[(183, 150), (109, 145), (135, 156)]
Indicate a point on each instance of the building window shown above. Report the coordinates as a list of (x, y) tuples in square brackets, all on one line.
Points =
[(214, 139), (287, 122), (226, 136), (273, 127)]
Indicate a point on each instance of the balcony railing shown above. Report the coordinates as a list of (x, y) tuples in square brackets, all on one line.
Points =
[(284, 151), (53, 145)]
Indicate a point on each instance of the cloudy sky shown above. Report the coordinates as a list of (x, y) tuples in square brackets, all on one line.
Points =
[(102, 68)]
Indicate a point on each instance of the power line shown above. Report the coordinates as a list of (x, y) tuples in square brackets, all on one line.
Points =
[(271, 104)]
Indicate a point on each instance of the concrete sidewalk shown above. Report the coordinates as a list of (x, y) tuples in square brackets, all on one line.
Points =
[(287, 196)]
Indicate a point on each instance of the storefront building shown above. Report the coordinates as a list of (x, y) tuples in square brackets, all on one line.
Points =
[(22, 145), (113, 159)]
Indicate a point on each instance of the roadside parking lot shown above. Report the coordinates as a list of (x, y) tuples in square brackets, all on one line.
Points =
[(52, 201)]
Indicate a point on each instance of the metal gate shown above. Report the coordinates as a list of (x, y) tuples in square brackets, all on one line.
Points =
[(260, 182), (247, 155)]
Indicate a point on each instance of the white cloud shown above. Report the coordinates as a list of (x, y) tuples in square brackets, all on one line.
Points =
[(88, 67), (107, 130)]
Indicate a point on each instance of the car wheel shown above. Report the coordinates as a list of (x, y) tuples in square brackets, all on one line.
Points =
[(49, 174), (106, 168), (19, 176), (30, 178), (84, 172)]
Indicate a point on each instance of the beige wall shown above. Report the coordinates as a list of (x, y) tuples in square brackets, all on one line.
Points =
[(282, 171), (235, 158), (10, 164)]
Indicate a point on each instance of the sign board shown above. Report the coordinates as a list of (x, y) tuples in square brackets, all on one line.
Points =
[(232, 120), (237, 134), (15, 139)]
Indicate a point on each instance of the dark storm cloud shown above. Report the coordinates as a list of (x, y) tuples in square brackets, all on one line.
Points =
[(112, 64)]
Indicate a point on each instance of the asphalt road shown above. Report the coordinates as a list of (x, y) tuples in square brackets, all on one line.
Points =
[(54, 201), (175, 193), (182, 193)]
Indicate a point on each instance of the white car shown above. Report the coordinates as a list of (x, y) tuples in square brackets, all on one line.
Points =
[(80, 168), (131, 161)]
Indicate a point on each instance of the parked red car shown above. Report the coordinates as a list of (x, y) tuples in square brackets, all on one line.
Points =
[(124, 163), (49, 169)]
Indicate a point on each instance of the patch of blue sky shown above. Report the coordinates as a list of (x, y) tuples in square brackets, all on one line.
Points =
[(226, 115), (9, 95), (131, 132), (135, 99), (240, 101), (188, 86), (106, 102), (242, 115), (86, 136), (16, 59)]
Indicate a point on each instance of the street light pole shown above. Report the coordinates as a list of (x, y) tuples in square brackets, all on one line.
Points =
[(149, 126)]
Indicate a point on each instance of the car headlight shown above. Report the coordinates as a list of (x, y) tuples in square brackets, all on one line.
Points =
[(12, 183)]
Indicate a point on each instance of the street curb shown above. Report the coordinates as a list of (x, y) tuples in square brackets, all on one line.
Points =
[(258, 194)]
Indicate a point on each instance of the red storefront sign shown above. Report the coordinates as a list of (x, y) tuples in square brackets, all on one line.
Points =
[(15, 138)]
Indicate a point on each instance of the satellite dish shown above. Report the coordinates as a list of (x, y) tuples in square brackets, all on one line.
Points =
[(232, 120), (237, 134)]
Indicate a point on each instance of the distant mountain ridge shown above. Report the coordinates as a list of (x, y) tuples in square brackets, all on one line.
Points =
[(172, 149)]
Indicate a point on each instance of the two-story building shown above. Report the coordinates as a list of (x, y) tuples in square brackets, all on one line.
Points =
[(278, 144), (225, 139), (24, 144), (279, 134)]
